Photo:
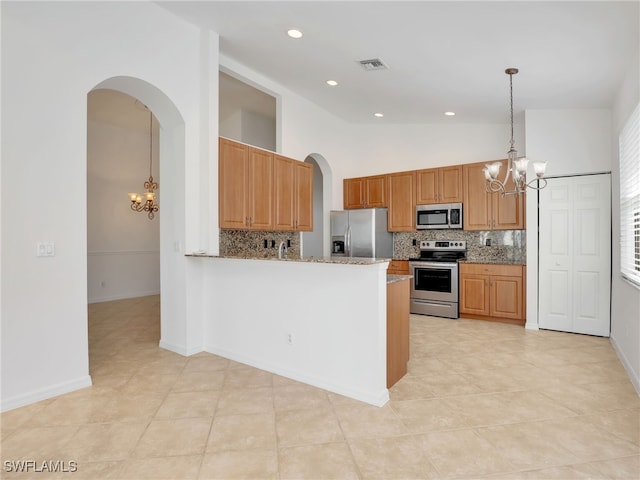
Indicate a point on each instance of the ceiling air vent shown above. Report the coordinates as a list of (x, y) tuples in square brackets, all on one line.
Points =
[(373, 64)]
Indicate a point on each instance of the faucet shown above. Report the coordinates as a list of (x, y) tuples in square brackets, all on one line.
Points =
[(282, 249)]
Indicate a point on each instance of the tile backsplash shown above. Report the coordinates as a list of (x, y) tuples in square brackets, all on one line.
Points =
[(508, 246), (250, 243)]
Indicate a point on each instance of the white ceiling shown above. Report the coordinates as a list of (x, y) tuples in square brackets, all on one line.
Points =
[(447, 55)]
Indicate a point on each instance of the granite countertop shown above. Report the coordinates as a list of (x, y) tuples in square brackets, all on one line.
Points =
[(398, 278), (340, 260)]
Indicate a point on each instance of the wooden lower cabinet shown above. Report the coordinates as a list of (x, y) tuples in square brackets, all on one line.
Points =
[(398, 267), (492, 292), (397, 330)]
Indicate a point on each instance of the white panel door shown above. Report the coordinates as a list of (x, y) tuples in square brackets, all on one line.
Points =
[(575, 255)]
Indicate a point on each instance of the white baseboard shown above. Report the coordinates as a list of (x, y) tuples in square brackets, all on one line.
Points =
[(122, 296), (180, 349), (45, 393), (374, 399), (633, 376)]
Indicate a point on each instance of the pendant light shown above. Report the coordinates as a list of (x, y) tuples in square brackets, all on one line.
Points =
[(146, 202), (516, 166)]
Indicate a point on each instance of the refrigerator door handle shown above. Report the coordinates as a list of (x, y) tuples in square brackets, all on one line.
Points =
[(347, 237)]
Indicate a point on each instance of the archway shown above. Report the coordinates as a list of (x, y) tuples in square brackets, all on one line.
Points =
[(171, 159), (317, 243)]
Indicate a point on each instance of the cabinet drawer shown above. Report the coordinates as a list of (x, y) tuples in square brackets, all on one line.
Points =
[(491, 269)]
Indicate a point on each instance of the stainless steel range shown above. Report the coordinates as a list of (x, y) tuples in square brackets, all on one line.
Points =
[(434, 290)]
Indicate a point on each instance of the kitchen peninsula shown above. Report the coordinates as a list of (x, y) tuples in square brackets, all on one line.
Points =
[(320, 321)]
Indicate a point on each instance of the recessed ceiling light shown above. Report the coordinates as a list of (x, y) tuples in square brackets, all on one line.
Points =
[(449, 114), (293, 33), (333, 83), (379, 115)]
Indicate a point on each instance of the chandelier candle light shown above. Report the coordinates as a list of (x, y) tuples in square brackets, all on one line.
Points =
[(149, 205), (516, 166)]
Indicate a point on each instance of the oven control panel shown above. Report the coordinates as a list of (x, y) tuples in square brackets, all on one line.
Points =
[(443, 245)]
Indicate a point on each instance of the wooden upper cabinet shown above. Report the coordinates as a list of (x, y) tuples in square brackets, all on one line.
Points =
[(260, 190), (303, 196), (353, 193), (283, 193), (233, 182), (365, 192), (375, 191), (482, 210), (293, 204), (401, 202), (477, 202), (427, 186), (439, 185), (450, 184)]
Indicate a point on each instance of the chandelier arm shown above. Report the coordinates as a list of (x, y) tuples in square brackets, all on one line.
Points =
[(537, 183)]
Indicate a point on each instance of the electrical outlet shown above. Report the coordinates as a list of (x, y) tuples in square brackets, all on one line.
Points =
[(290, 338), (45, 249), (266, 243)]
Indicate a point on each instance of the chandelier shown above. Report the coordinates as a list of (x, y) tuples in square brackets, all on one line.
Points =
[(516, 166), (146, 202)]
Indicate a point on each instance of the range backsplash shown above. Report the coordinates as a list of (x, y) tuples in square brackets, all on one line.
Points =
[(250, 243), (507, 246)]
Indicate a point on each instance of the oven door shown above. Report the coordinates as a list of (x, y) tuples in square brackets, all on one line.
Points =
[(434, 281)]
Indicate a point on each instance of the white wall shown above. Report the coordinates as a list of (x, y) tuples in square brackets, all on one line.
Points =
[(577, 142), (123, 246), (44, 153), (572, 142), (625, 298), (336, 314)]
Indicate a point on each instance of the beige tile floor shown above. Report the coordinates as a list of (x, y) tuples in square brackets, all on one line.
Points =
[(481, 400)]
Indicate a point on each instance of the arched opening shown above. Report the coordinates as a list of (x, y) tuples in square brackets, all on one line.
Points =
[(317, 242), (169, 159)]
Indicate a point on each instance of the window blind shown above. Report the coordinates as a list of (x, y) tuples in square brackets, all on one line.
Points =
[(630, 198)]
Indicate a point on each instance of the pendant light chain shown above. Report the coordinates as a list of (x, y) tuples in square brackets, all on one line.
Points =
[(146, 202), (516, 166)]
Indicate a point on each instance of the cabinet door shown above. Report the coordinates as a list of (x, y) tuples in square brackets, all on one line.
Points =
[(477, 202), (427, 186), (284, 193), (474, 294), (303, 196), (506, 297), (353, 193), (450, 184), (401, 202), (260, 189), (375, 191), (233, 180), (508, 210)]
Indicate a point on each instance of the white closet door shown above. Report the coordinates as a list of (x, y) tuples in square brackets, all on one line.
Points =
[(575, 255)]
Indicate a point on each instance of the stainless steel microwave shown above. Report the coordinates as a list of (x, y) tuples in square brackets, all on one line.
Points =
[(439, 216)]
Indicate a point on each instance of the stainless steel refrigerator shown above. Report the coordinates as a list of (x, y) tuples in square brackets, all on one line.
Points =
[(361, 233)]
